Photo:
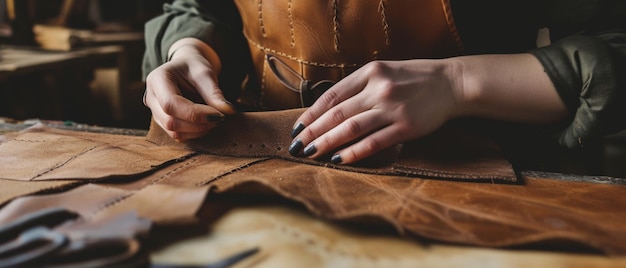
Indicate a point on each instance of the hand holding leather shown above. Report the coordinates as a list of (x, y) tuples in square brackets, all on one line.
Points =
[(177, 91), (384, 103)]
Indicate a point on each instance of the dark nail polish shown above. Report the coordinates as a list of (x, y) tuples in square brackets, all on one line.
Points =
[(296, 130), (213, 118), (336, 159), (295, 147), (310, 150)]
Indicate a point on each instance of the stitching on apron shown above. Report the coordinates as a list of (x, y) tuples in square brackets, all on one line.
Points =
[(335, 25), (451, 25), (311, 63), (291, 29), (263, 81), (385, 23), (261, 25)]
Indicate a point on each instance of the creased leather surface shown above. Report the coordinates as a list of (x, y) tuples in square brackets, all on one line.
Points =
[(61, 155), (444, 155), (535, 211), (540, 211)]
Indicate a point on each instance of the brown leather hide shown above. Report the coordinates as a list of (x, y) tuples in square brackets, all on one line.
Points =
[(169, 182)]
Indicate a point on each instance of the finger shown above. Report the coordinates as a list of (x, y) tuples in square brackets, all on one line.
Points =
[(343, 90), (369, 145), (350, 130), (174, 124), (211, 93), (329, 120), (182, 136), (171, 123), (163, 86), (179, 107)]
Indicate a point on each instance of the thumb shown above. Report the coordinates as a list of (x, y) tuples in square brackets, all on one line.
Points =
[(215, 98)]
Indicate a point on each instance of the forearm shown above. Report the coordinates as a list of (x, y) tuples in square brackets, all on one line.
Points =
[(192, 47), (512, 87), (179, 20)]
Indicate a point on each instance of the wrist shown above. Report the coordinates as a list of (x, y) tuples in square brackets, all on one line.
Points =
[(192, 47), (463, 87)]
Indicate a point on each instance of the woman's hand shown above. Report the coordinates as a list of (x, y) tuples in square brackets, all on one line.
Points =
[(390, 102), (183, 93), (381, 104)]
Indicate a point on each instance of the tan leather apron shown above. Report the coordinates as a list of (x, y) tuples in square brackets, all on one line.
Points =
[(328, 39)]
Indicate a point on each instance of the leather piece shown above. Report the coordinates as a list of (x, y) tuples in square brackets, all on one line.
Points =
[(163, 204), (10, 189), (443, 155), (494, 215), (62, 154), (85, 200), (179, 188), (553, 213)]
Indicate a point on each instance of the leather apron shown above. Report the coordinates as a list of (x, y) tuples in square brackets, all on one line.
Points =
[(296, 44)]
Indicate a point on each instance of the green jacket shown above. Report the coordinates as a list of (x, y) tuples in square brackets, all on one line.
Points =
[(586, 60)]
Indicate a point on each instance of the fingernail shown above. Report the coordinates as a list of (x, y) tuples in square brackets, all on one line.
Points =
[(336, 159), (310, 150), (214, 118), (296, 130), (295, 147)]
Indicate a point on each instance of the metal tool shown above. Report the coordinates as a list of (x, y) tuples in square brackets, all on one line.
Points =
[(35, 240)]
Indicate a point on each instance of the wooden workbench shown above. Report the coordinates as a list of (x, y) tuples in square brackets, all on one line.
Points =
[(88, 84)]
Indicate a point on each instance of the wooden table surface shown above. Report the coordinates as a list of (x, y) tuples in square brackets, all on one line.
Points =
[(21, 60)]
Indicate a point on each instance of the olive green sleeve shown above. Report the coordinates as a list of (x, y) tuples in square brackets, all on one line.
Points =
[(182, 18), (216, 22), (589, 73)]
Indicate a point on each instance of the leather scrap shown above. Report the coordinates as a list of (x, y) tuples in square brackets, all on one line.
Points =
[(65, 155), (10, 189), (85, 200)]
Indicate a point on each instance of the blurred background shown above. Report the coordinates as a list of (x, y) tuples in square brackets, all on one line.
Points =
[(74, 60)]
